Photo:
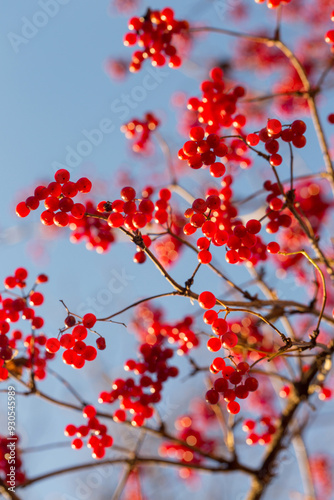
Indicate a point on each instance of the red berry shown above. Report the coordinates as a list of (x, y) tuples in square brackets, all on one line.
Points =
[(233, 407), (212, 396), (273, 247), (70, 430), (62, 176), (206, 300), (274, 127), (214, 344), (330, 118), (84, 185), (115, 219), (77, 443), (128, 193), (89, 411), (101, 343), (253, 226), (251, 384), (196, 134), (204, 256), (89, 320), (22, 210)]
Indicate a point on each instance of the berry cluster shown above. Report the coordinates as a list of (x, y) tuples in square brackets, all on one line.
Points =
[(311, 203), (189, 432), (231, 384), (7, 461), (293, 133), (151, 327), (154, 34), (256, 438), (95, 231), (136, 213), (329, 37), (321, 466), (225, 338), (98, 439), (273, 4), (218, 104), (138, 398), (59, 196), (216, 217), (76, 352), (201, 151), (168, 248), (274, 209), (140, 131), (13, 308), (253, 343)]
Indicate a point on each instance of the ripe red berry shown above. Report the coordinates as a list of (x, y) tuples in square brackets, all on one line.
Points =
[(209, 316), (89, 320), (273, 247), (274, 126), (214, 344), (89, 411), (251, 384), (128, 193), (233, 407), (115, 219), (52, 345), (330, 118), (253, 226), (196, 133), (84, 185), (204, 256), (62, 176), (22, 210), (207, 300), (101, 343), (212, 396)]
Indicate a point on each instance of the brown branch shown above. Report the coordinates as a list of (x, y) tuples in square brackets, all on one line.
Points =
[(6, 493), (299, 395)]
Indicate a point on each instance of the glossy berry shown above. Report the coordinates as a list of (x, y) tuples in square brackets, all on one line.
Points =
[(207, 300)]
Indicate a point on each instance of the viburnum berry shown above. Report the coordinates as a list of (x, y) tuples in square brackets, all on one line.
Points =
[(101, 343), (253, 226), (204, 256), (214, 344), (89, 320), (219, 326), (115, 220), (22, 210), (233, 407), (207, 300), (62, 176), (212, 396), (274, 126), (209, 316), (273, 247), (79, 332), (89, 411), (251, 384)]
